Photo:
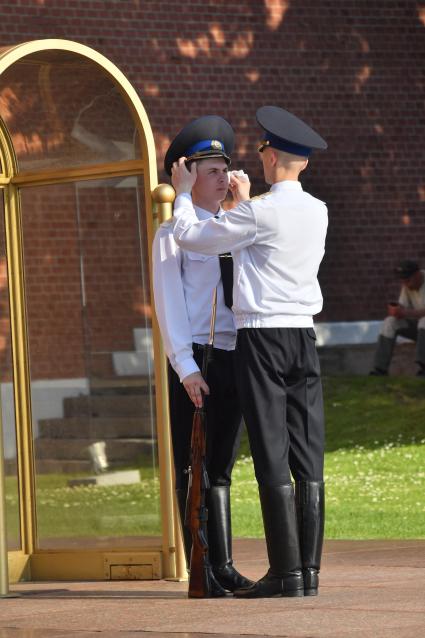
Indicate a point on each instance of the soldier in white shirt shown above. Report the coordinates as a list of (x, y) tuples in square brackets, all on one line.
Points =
[(405, 318), (184, 282), (277, 242)]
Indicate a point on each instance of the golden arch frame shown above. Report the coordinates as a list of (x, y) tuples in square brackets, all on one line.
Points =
[(158, 206)]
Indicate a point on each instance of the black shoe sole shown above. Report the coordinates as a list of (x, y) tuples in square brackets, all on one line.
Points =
[(292, 593)]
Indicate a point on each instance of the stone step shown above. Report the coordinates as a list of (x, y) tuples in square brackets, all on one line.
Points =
[(129, 363), (108, 478), (357, 359), (61, 466), (122, 385), (109, 405), (76, 449), (135, 362), (143, 340), (95, 428)]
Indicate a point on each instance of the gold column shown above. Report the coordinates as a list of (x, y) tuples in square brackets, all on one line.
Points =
[(4, 572), (163, 196), (21, 375)]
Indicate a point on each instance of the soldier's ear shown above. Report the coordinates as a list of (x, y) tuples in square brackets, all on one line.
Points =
[(305, 164), (274, 157)]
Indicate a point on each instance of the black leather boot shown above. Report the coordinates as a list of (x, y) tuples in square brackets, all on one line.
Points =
[(284, 577), (310, 502), (217, 591), (220, 539)]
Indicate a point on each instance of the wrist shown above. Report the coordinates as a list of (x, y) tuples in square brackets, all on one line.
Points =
[(184, 190)]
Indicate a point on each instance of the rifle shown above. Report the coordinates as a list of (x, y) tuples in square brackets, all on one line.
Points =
[(201, 578)]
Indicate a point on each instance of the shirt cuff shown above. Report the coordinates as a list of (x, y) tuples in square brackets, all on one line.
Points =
[(186, 367), (185, 195)]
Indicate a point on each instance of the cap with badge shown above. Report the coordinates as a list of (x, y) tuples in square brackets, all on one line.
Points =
[(406, 268), (206, 137), (286, 132)]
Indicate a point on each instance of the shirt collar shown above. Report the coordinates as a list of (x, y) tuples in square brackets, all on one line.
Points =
[(287, 185), (202, 214)]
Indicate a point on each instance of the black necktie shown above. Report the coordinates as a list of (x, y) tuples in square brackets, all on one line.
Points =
[(226, 267)]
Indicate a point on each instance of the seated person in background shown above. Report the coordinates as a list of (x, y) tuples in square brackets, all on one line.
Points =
[(406, 318)]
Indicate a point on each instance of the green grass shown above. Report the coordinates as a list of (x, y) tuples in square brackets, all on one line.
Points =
[(123, 510), (374, 462), (374, 472), (89, 511)]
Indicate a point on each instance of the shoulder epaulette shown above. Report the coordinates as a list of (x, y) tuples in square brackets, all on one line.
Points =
[(262, 196)]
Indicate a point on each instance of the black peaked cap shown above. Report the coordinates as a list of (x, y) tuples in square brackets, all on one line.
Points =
[(285, 127), (208, 127), (406, 268)]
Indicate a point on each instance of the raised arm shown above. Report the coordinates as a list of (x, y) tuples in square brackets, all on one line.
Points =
[(232, 231)]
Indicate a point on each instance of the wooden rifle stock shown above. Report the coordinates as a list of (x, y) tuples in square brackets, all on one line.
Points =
[(201, 577), (196, 511)]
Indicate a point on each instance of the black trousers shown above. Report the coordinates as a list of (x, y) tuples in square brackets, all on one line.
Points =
[(223, 419), (278, 377)]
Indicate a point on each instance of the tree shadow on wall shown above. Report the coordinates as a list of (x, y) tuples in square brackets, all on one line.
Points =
[(355, 74)]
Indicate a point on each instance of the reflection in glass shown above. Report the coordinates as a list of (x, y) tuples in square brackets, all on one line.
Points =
[(6, 397), (91, 363), (63, 110)]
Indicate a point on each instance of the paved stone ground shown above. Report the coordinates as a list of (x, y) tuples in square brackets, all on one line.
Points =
[(369, 589)]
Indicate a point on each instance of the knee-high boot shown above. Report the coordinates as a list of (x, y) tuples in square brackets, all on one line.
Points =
[(284, 577), (310, 503), (220, 539)]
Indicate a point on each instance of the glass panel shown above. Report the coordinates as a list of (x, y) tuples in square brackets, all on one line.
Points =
[(7, 401), (63, 110), (90, 341)]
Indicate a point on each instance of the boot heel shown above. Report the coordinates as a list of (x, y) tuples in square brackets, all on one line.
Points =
[(310, 498)]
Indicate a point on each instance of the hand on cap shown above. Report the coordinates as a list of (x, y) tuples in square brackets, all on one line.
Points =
[(195, 386), (239, 186), (182, 179)]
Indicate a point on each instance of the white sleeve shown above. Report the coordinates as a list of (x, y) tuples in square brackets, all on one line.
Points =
[(170, 304), (232, 231)]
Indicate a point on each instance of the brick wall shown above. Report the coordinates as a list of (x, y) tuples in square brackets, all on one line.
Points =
[(354, 69), (86, 286)]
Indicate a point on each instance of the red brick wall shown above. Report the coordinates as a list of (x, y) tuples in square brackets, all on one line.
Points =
[(73, 326), (354, 69), (51, 262)]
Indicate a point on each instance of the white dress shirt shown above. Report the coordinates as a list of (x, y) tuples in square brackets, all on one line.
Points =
[(277, 242), (184, 283)]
